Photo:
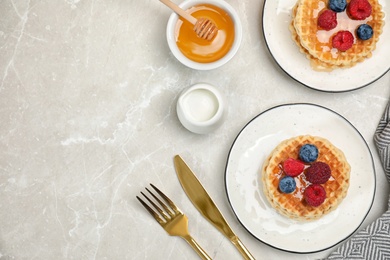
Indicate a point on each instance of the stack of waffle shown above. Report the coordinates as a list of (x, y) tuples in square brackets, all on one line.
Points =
[(293, 205), (318, 49)]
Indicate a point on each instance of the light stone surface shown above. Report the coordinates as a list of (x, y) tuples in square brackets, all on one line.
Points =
[(88, 94)]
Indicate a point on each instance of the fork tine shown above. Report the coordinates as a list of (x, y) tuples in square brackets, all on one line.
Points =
[(162, 204), (170, 202), (166, 217), (151, 211)]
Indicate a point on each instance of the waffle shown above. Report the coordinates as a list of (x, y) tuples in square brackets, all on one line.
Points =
[(316, 44), (293, 205)]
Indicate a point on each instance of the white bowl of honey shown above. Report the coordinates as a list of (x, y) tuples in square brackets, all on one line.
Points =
[(195, 52)]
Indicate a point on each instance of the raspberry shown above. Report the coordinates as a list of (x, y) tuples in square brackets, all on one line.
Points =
[(308, 153), (343, 40), (327, 20), (314, 195), (287, 184), (293, 167), (318, 173), (359, 9)]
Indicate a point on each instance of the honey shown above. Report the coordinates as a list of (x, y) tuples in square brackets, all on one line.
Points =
[(200, 50)]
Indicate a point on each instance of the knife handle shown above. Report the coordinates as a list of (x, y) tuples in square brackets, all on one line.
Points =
[(198, 249), (242, 249)]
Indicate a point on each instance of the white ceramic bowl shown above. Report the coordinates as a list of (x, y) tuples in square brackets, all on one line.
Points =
[(198, 65), (200, 108)]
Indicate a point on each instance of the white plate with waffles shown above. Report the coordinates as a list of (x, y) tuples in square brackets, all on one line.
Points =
[(276, 19), (244, 188)]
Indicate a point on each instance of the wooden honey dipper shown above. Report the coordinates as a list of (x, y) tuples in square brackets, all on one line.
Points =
[(203, 27)]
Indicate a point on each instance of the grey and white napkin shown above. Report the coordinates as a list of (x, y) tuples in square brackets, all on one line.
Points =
[(373, 242)]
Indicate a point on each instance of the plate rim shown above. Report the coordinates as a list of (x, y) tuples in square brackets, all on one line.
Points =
[(350, 124), (305, 84)]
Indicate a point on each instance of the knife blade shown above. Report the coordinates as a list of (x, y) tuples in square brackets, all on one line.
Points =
[(205, 205)]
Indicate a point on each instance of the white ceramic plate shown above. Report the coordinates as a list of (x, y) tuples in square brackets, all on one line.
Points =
[(276, 19), (244, 188)]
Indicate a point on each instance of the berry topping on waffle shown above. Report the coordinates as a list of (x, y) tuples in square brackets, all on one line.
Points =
[(287, 184), (359, 9), (337, 5), (327, 20), (364, 32), (318, 173), (343, 40), (315, 195), (293, 167), (308, 153)]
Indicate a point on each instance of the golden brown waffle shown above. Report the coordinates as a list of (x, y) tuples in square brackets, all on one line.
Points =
[(316, 43), (314, 62), (293, 204)]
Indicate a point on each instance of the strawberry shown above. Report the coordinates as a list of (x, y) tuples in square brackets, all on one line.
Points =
[(343, 40), (293, 167), (314, 195), (327, 20), (359, 9)]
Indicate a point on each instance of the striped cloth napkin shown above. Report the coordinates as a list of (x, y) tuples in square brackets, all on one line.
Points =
[(373, 242)]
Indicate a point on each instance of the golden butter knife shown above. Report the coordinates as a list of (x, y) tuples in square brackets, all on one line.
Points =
[(205, 205)]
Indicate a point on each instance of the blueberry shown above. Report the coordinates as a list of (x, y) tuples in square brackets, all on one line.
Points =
[(308, 153), (287, 184), (337, 5), (364, 32)]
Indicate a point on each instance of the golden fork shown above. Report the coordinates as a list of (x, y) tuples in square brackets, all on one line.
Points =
[(171, 219)]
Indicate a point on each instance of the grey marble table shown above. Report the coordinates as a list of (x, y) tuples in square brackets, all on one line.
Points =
[(88, 94)]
